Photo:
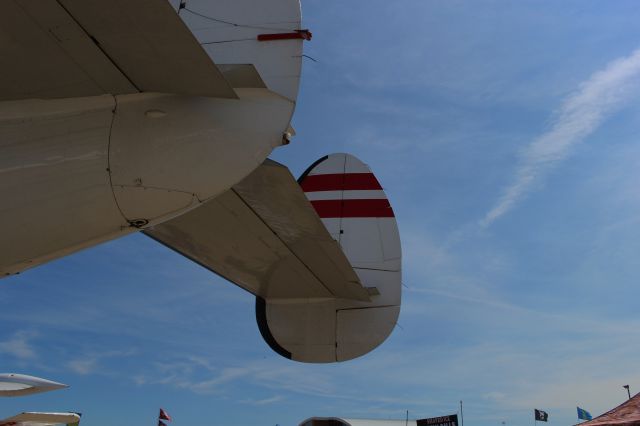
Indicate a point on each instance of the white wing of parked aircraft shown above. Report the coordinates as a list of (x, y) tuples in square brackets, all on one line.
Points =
[(157, 115), (42, 419), (12, 384)]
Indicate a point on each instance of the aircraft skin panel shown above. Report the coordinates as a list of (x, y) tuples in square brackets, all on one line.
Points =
[(228, 31), (362, 330), (225, 236), (37, 32), (151, 45), (367, 232), (53, 169), (264, 236), (14, 385), (205, 145), (41, 419), (277, 199), (374, 250), (94, 47), (81, 171), (312, 303)]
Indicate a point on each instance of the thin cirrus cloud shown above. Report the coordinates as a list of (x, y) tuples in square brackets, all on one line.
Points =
[(580, 115), (19, 346)]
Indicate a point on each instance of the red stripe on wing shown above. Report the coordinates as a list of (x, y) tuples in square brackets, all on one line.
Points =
[(352, 208), (340, 182)]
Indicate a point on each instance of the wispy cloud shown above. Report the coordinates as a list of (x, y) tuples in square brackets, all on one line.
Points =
[(201, 376), (264, 401), (83, 366), (19, 346), (90, 363), (579, 116)]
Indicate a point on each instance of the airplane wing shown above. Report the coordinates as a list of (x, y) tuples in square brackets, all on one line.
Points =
[(73, 48), (42, 419), (12, 384), (264, 236), (320, 295)]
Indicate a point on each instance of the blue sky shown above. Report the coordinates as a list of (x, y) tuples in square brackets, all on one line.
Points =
[(505, 134)]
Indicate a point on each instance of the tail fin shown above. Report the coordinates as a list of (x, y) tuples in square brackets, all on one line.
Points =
[(354, 209), (274, 47)]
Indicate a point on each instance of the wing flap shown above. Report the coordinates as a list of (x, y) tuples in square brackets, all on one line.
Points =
[(264, 236)]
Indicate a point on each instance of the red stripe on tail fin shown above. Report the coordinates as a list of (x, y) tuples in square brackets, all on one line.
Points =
[(341, 182), (352, 208)]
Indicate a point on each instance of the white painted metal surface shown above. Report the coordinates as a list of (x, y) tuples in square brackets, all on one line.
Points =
[(196, 150), (54, 182), (228, 31), (150, 45), (85, 157), (93, 47), (12, 384), (366, 229), (41, 419), (38, 32), (265, 236), (83, 169)]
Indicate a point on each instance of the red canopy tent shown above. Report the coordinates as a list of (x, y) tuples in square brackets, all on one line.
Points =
[(627, 414)]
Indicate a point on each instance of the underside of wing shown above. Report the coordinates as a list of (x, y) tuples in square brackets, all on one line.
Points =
[(72, 48), (42, 419), (264, 236)]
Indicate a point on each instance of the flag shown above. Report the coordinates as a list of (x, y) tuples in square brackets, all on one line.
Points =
[(164, 415), (583, 414), (541, 416)]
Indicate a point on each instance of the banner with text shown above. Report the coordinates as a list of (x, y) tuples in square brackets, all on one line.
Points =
[(439, 421)]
